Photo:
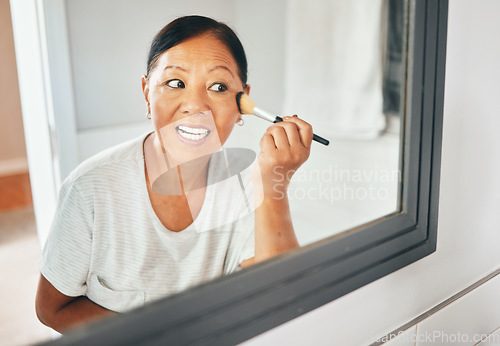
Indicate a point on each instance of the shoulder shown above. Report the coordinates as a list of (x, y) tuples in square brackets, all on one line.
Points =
[(127, 154)]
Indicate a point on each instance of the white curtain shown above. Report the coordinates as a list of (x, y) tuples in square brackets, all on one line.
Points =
[(333, 66)]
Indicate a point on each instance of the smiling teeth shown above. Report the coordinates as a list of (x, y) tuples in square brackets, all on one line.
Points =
[(192, 133)]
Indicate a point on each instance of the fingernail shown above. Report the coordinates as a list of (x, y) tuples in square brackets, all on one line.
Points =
[(287, 117)]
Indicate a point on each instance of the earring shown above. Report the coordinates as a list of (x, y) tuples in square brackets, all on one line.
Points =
[(148, 115), (241, 122)]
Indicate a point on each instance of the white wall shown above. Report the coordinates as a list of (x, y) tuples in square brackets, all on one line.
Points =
[(35, 110), (469, 219)]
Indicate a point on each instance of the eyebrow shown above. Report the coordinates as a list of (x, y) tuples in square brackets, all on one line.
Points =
[(221, 67), (175, 67), (211, 70)]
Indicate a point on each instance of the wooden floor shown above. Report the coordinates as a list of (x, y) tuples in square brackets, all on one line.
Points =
[(19, 273), (15, 191), (19, 255)]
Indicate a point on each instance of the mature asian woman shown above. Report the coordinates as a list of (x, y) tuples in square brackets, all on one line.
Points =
[(117, 242)]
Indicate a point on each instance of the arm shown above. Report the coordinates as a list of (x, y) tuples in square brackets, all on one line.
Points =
[(61, 312), (284, 147), (274, 232)]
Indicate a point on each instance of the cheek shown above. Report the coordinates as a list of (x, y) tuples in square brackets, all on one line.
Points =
[(162, 110), (225, 126), (226, 115)]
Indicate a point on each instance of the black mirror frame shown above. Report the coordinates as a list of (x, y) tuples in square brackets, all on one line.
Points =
[(237, 307)]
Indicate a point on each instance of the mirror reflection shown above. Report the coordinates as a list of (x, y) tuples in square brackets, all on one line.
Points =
[(192, 189)]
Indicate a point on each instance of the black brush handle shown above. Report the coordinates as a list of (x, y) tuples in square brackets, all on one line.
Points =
[(316, 138)]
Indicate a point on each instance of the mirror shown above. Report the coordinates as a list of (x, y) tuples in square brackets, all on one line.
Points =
[(333, 246), (348, 83)]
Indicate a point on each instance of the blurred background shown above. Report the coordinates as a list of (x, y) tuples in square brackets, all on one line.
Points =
[(339, 65)]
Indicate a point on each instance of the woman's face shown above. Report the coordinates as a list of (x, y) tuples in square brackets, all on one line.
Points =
[(191, 95)]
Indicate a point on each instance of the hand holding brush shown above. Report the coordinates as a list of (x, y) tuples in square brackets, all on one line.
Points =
[(246, 106)]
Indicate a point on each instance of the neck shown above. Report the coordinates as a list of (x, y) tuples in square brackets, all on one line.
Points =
[(189, 175)]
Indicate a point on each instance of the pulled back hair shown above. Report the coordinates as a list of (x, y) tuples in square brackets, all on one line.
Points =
[(185, 28)]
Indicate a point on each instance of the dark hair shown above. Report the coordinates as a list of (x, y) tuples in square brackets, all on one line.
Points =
[(184, 28)]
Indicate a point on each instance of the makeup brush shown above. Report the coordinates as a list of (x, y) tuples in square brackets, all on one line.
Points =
[(246, 106)]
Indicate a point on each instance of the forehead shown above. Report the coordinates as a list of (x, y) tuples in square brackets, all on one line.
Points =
[(204, 49)]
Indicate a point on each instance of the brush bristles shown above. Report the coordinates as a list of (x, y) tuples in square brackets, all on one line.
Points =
[(245, 104)]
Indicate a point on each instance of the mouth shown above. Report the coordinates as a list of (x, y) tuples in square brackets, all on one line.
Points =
[(193, 134)]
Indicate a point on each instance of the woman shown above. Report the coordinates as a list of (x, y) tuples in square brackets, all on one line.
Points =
[(115, 242)]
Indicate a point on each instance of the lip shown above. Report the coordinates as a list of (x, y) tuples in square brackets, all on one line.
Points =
[(189, 141), (194, 126)]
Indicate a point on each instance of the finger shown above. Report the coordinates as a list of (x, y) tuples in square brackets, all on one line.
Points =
[(292, 133), (267, 143), (279, 136), (305, 130)]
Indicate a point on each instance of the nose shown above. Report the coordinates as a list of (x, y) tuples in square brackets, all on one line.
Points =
[(194, 101)]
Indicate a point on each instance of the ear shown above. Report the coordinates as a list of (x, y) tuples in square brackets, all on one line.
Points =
[(145, 91)]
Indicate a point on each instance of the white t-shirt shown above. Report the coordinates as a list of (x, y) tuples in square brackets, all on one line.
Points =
[(107, 243)]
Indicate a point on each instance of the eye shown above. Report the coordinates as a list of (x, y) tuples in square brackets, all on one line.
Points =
[(218, 87), (175, 84)]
